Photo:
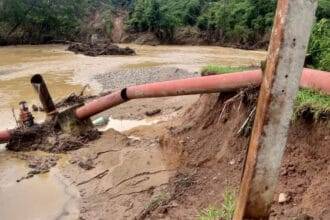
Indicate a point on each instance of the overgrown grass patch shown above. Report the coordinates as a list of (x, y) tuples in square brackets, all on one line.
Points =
[(225, 212), (314, 102), (215, 69)]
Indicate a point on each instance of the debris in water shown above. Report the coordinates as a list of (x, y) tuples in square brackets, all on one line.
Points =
[(101, 121), (153, 112), (99, 49), (38, 164), (25, 118), (48, 137)]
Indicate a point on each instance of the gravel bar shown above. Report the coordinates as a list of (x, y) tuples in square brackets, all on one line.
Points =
[(127, 77)]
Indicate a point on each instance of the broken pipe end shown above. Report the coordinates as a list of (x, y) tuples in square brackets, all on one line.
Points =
[(5, 136)]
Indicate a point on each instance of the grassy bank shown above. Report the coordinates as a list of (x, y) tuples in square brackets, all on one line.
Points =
[(308, 101)]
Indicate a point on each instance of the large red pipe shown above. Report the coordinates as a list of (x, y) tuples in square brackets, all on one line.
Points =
[(5, 136), (195, 85), (314, 79)]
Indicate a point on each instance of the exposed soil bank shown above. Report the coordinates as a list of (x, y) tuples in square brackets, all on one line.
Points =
[(174, 169), (211, 153), (190, 36)]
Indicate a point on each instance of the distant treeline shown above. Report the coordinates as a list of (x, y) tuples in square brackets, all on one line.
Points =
[(245, 23), (236, 22)]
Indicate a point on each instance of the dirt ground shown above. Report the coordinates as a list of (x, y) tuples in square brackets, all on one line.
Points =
[(175, 168)]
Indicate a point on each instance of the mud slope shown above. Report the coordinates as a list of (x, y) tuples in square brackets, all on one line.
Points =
[(211, 155)]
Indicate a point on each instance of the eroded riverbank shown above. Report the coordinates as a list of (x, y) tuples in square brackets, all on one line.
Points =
[(66, 72), (123, 166)]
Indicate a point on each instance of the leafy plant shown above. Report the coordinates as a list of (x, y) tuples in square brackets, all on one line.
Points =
[(315, 102), (216, 69), (319, 46), (225, 212)]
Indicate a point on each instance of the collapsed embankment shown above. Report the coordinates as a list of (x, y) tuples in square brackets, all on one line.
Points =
[(209, 145), (177, 168)]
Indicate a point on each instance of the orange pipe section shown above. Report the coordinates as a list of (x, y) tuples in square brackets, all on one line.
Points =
[(313, 79), (5, 136), (99, 105), (197, 85), (316, 80)]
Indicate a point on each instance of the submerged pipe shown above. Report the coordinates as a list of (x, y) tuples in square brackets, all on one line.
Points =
[(46, 100), (313, 79)]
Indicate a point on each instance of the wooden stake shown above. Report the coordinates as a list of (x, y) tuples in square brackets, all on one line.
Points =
[(291, 31)]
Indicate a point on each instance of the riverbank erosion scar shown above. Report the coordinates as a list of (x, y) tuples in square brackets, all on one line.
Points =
[(90, 49)]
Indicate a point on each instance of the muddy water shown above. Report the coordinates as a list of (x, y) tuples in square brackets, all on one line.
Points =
[(125, 125), (46, 196), (66, 72)]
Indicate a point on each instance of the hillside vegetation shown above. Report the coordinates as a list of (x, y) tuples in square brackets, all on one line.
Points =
[(239, 23)]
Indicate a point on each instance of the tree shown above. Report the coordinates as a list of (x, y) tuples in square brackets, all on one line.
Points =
[(319, 45)]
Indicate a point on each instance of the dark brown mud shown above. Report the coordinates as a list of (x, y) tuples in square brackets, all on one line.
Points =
[(48, 137), (210, 145), (99, 49)]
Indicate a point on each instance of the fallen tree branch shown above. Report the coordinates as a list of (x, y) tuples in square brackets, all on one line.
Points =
[(248, 119)]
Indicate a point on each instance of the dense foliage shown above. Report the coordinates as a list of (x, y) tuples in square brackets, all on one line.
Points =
[(319, 46), (40, 18), (237, 21), (243, 23)]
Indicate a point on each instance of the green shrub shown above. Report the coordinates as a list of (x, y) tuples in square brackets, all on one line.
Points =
[(216, 69), (315, 102), (319, 46), (225, 212)]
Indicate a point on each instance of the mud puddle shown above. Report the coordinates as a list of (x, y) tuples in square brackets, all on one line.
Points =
[(46, 196), (122, 125)]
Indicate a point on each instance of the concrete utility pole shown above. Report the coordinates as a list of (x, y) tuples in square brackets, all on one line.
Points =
[(291, 31)]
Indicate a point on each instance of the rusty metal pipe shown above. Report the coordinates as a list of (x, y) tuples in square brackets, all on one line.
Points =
[(5, 136), (313, 79), (99, 105), (316, 80), (197, 85), (40, 87)]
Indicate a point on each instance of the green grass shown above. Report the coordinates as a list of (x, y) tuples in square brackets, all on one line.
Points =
[(225, 212), (215, 69), (316, 102)]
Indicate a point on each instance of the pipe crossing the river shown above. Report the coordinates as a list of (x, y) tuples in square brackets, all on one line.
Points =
[(312, 79)]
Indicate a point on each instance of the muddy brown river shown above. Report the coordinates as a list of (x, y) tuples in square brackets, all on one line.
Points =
[(66, 72), (49, 196)]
